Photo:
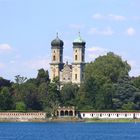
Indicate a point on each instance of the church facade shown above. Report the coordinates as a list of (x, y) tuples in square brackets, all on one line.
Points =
[(67, 73)]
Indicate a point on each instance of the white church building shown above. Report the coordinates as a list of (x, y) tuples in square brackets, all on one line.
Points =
[(67, 73)]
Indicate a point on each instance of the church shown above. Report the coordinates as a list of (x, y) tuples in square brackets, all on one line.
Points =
[(67, 73)]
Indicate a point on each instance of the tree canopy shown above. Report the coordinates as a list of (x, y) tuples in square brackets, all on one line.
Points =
[(106, 86)]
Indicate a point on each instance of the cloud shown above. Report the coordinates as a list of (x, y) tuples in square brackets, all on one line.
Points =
[(106, 32), (95, 52), (130, 31), (132, 63), (98, 16), (5, 48), (135, 68), (114, 17), (37, 63), (76, 26)]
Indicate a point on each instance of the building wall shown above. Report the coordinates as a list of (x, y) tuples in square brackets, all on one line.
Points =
[(76, 70), (54, 71), (66, 74), (110, 115), (22, 116)]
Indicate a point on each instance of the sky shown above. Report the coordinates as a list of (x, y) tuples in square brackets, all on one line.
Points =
[(27, 28)]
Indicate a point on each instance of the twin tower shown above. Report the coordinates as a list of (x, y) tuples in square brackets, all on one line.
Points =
[(67, 73)]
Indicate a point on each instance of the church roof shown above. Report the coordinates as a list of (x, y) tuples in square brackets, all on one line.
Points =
[(79, 39), (57, 42), (67, 66)]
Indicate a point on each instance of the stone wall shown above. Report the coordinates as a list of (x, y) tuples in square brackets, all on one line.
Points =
[(22, 116)]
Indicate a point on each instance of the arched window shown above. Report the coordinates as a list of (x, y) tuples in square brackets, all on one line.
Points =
[(66, 113), (75, 57), (75, 76), (54, 58), (62, 113), (70, 113)]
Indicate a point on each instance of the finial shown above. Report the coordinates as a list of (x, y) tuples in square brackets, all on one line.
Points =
[(57, 34), (79, 34), (67, 62)]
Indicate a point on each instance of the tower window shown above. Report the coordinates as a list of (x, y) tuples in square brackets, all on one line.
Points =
[(54, 58), (75, 57), (75, 76), (75, 50)]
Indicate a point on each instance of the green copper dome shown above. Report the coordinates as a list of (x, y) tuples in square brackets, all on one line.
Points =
[(79, 42), (57, 42), (79, 39)]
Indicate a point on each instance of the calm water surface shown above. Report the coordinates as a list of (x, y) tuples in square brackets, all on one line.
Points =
[(69, 131)]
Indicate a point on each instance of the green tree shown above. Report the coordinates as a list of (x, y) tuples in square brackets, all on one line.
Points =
[(20, 106), (110, 66), (42, 76), (31, 97), (53, 99), (4, 83), (128, 106), (104, 97), (99, 79), (68, 94), (6, 100), (136, 82), (126, 93), (20, 79)]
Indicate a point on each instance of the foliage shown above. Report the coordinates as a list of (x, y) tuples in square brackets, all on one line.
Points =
[(106, 86), (68, 94), (6, 101), (20, 106), (4, 82)]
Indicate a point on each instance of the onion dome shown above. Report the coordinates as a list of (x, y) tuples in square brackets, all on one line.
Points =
[(79, 40), (57, 42)]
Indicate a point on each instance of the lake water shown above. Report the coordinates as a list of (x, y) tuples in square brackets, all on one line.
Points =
[(69, 131)]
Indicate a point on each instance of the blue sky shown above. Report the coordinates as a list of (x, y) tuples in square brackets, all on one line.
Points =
[(27, 28)]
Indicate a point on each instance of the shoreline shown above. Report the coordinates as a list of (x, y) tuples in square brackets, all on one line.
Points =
[(49, 120)]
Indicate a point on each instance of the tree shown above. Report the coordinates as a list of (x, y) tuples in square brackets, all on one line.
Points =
[(126, 94), (43, 93), (87, 93), (31, 97), (42, 76), (99, 79), (20, 79), (6, 100), (128, 106), (104, 97), (53, 99), (136, 81), (110, 66), (4, 82), (20, 106), (68, 94)]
